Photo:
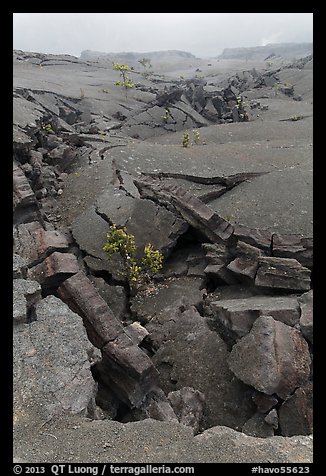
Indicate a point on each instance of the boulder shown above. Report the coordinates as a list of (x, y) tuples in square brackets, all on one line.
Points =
[(306, 318), (51, 369), (273, 358), (296, 413), (188, 405), (136, 332)]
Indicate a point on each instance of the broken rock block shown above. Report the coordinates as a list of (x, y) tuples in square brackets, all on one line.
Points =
[(155, 406), (273, 358), (127, 370), (81, 296), (34, 243), (188, 404), (54, 269), (293, 246), (296, 413), (217, 258), (257, 426), (282, 273), (192, 209), (236, 316), (272, 419), (136, 332), (306, 318), (245, 264)]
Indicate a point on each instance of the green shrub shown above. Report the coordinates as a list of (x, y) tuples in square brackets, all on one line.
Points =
[(118, 240), (185, 139), (125, 82)]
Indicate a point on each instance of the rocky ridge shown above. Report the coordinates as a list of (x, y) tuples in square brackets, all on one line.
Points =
[(182, 352)]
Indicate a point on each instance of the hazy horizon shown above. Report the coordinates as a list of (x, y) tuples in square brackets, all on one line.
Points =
[(202, 34)]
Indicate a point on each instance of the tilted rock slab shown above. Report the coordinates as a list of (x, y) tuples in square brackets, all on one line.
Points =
[(273, 358), (192, 209), (125, 368), (282, 273)]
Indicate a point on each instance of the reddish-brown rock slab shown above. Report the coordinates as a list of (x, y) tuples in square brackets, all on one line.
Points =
[(82, 296), (282, 273), (34, 243), (54, 269), (296, 414), (127, 370)]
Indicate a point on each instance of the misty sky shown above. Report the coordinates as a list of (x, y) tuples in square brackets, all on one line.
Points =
[(203, 34)]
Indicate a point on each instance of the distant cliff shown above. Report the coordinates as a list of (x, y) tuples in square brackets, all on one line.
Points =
[(284, 50), (134, 56)]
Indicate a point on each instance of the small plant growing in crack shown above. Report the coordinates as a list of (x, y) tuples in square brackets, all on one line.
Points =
[(146, 63), (186, 139), (196, 136), (166, 115), (46, 127), (118, 240), (125, 81)]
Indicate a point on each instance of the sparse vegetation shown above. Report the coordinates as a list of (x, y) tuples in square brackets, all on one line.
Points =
[(118, 240), (146, 63), (295, 118), (196, 136), (166, 115), (186, 139), (47, 127), (125, 81)]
